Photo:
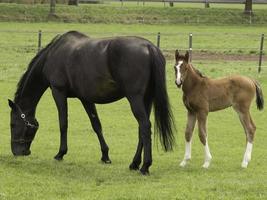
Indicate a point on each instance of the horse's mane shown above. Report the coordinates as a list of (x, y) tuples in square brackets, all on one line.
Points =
[(198, 72), (38, 60)]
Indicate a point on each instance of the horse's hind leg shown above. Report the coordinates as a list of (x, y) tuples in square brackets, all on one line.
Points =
[(249, 128), (139, 111), (202, 118), (137, 157), (61, 103), (191, 121), (92, 113)]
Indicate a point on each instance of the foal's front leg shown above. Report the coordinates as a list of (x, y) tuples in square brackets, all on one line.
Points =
[(191, 121), (202, 119), (61, 103)]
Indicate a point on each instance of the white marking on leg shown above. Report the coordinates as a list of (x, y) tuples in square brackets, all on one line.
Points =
[(187, 155), (208, 156), (178, 77), (247, 155)]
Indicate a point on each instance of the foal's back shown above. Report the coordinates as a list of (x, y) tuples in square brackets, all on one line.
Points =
[(233, 91)]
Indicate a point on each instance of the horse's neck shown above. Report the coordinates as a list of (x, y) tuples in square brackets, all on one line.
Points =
[(31, 92), (192, 80)]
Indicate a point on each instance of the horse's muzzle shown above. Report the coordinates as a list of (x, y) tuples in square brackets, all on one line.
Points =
[(20, 149)]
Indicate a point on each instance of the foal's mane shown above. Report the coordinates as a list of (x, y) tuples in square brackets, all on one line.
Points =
[(197, 71), (38, 60)]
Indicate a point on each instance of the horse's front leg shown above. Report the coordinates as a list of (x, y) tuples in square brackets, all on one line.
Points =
[(62, 107), (191, 121), (93, 116), (203, 136)]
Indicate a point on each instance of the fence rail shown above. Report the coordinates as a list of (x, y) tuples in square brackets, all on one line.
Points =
[(158, 39)]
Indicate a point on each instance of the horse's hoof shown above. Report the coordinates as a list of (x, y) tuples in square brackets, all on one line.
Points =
[(144, 172), (133, 166), (58, 157), (106, 161)]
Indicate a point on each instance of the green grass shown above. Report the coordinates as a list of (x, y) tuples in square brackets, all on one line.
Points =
[(82, 176), (151, 13)]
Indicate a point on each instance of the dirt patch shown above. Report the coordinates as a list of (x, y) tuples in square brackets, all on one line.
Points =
[(217, 56)]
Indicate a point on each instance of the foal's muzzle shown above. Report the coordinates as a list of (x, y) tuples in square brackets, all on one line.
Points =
[(179, 84)]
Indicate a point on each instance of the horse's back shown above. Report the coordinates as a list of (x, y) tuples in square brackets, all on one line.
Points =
[(98, 69)]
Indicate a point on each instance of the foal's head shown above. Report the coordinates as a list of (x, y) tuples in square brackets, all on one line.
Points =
[(181, 66)]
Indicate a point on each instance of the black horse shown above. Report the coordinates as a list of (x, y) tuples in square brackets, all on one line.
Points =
[(95, 71)]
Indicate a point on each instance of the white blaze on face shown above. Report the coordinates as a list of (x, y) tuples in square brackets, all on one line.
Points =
[(178, 75)]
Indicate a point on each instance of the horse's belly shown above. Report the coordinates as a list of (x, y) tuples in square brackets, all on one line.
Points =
[(107, 97), (100, 92)]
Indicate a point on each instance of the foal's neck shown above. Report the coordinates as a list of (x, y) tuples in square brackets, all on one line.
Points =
[(192, 79)]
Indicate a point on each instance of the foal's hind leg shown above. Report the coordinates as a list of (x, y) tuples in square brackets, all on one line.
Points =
[(61, 103), (92, 113), (249, 128), (202, 118), (139, 111), (191, 121)]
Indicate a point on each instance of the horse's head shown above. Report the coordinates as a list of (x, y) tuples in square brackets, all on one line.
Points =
[(23, 130), (181, 67)]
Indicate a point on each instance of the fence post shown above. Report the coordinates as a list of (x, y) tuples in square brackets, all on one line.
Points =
[(52, 7), (261, 52), (207, 4), (39, 40), (190, 46), (158, 40)]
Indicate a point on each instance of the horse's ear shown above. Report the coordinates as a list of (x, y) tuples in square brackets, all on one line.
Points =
[(187, 56), (176, 54), (12, 105)]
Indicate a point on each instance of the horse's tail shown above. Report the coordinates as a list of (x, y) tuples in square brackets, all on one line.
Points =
[(259, 96), (164, 123)]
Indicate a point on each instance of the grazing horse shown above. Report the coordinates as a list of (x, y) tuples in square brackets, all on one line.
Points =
[(202, 95), (95, 71)]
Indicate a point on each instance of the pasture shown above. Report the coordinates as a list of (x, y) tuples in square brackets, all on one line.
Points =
[(81, 175)]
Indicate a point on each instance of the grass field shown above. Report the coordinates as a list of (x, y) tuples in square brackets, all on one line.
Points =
[(82, 176), (131, 13)]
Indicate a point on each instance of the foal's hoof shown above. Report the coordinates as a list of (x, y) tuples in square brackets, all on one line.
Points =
[(106, 161), (133, 166), (244, 164), (206, 165), (183, 163)]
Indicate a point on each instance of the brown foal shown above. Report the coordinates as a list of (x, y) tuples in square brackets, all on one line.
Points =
[(202, 95)]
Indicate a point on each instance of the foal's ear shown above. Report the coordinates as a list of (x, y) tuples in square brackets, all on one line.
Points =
[(187, 56), (12, 105), (176, 54)]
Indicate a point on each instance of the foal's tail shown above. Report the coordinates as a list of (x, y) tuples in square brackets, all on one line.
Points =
[(259, 96), (164, 123)]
